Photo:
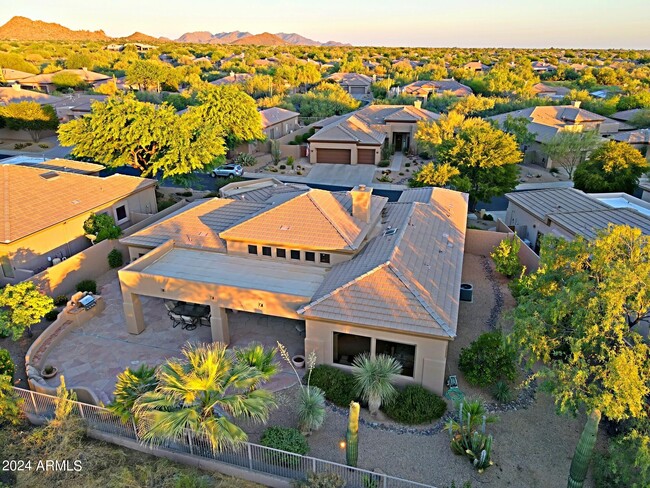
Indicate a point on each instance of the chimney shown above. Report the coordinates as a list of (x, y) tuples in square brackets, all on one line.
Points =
[(16, 86), (576, 103), (374, 77), (361, 196), (417, 104), (232, 73)]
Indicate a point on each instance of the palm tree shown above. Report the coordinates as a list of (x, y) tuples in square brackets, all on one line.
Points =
[(131, 384), (374, 378), (203, 392), (255, 356)]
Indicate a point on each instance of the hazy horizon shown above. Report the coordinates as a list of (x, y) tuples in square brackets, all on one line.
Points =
[(417, 23)]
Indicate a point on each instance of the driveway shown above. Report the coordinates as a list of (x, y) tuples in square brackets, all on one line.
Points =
[(342, 174)]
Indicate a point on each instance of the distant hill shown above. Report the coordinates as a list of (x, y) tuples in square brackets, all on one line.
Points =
[(24, 29), (229, 37), (140, 37), (294, 38), (200, 37), (264, 39)]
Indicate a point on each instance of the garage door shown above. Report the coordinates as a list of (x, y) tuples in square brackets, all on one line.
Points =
[(366, 156), (357, 90), (337, 156)]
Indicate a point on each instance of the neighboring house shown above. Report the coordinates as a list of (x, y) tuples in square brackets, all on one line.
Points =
[(264, 190), (10, 76), (278, 122), (626, 115), (357, 137), (645, 188), (232, 79), (638, 139), (567, 212), (355, 84), (425, 89), (542, 90), (138, 46), (67, 107), (44, 209), (44, 82), (15, 93), (67, 165), (543, 67), (547, 121), (356, 273), (476, 66)]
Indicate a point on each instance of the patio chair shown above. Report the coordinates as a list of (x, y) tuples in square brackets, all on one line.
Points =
[(205, 320), (188, 322), (176, 319), (169, 305)]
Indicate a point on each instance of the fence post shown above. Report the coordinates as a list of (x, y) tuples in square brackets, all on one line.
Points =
[(189, 440), (250, 456), (31, 394), (313, 464), (135, 428), (385, 481), (81, 410)]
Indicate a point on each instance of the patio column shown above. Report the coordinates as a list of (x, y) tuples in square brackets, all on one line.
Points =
[(133, 313), (219, 324)]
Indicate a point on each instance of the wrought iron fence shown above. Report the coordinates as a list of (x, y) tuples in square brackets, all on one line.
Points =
[(252, 457)]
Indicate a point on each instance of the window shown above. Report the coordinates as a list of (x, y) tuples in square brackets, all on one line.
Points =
[(281, 253), (252, 249), (266, 251), (404, 353), (310, 256), (348, 346), (5, 266), (295, 254), (324, 258), (121, 214)]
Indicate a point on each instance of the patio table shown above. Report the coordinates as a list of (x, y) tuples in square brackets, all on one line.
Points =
[(193, 310)]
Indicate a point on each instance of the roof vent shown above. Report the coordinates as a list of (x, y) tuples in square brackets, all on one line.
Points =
[(390, 232), (50, 175), (285, 227), (76, 202)]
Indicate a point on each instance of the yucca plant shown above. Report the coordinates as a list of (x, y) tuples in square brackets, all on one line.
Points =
[(374, 379), (131, 385), (203, 392), (255, 356)]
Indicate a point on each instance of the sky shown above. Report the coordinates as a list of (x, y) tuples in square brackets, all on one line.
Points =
[(426, 23)]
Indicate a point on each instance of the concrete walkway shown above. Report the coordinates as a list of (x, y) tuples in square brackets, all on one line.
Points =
[(396, 162)]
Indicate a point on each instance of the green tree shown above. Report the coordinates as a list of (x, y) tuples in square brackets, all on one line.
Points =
[(613, 167), (518, 127), (10, 412), (567, 149), (641, 119), (21, 306), (148, 74), (66, 80), (576, 316), (506, 256), (31, 117), (374, 379), (102, 226), (123, 131), (433, 174), (203, 393), (255, 356), (324, 100)]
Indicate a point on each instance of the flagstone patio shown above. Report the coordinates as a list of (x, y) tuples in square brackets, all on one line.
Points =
[(95, 353)]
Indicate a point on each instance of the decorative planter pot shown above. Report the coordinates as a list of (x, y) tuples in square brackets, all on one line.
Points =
[(49, 375), (298, 361)]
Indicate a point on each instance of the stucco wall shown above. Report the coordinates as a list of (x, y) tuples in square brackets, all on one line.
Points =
[(430, 353), (482, 242)]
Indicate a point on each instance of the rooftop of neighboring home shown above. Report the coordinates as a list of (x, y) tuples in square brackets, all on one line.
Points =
[(67, 165), (476, 66), (264, 190), (15, 94), (362, 126), (231, 79), (583, 214), (36, 198), (351, 79), (640, 136), (542, 66), (404, 266), (84, 74), (626, 115), (276, 115), (9, 75), (425, 87), (546, 121), (543, 88)]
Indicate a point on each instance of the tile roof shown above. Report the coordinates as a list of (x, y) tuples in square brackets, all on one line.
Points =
[(349, 129), (424, 87), (84, 74), (351, 79), (589, 223), (232, 79), (626, 115), (197, 225), (31, 203), (9, 74), (409, 280), (15, 95), (274, 193), (544, 88), (275, 115), (641, 136), (67, 165), (542, 203), (317, 219)]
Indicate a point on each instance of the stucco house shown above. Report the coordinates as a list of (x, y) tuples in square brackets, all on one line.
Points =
[(44, 208), (232, 79), (278, 122), (547, 121), (355, 84), (542, 67), (476, 66), (424, 89), (639, 139), (357, 273), (44, 82), (357, 137), (12, 75), (542, 90), (567, 212)]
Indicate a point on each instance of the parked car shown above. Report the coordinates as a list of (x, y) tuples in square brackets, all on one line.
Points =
[(227, 170)]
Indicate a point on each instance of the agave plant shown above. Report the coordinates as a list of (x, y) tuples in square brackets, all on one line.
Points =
[(255, 356), (374, 379), (131, 385)]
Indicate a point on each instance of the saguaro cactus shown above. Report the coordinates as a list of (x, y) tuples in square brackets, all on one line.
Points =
[(352, 436), (584, 449)]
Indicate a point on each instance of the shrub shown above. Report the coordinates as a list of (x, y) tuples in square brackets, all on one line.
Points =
[(383, 163), (163, 204), (407, 165), (506, 256), (43, 146), (626, 463), (286, 439), (320, 480), (488, 217), (115, 259), (7, 367), (415, 405), (554, 171), (487, 360), (60, 300), (283, 166), (290, 160), (245, 159), (51, 315), (102, 226), (501, 392), (87, 285), (185, 194), (338, 385)]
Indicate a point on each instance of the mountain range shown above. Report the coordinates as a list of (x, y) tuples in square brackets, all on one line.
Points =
[(24, 29)]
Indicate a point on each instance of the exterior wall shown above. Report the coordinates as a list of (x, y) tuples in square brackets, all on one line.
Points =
[(528, 226), (430, 353), (241, 249), (281, 129), (67, 238), (23, 135), (483, 242)]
